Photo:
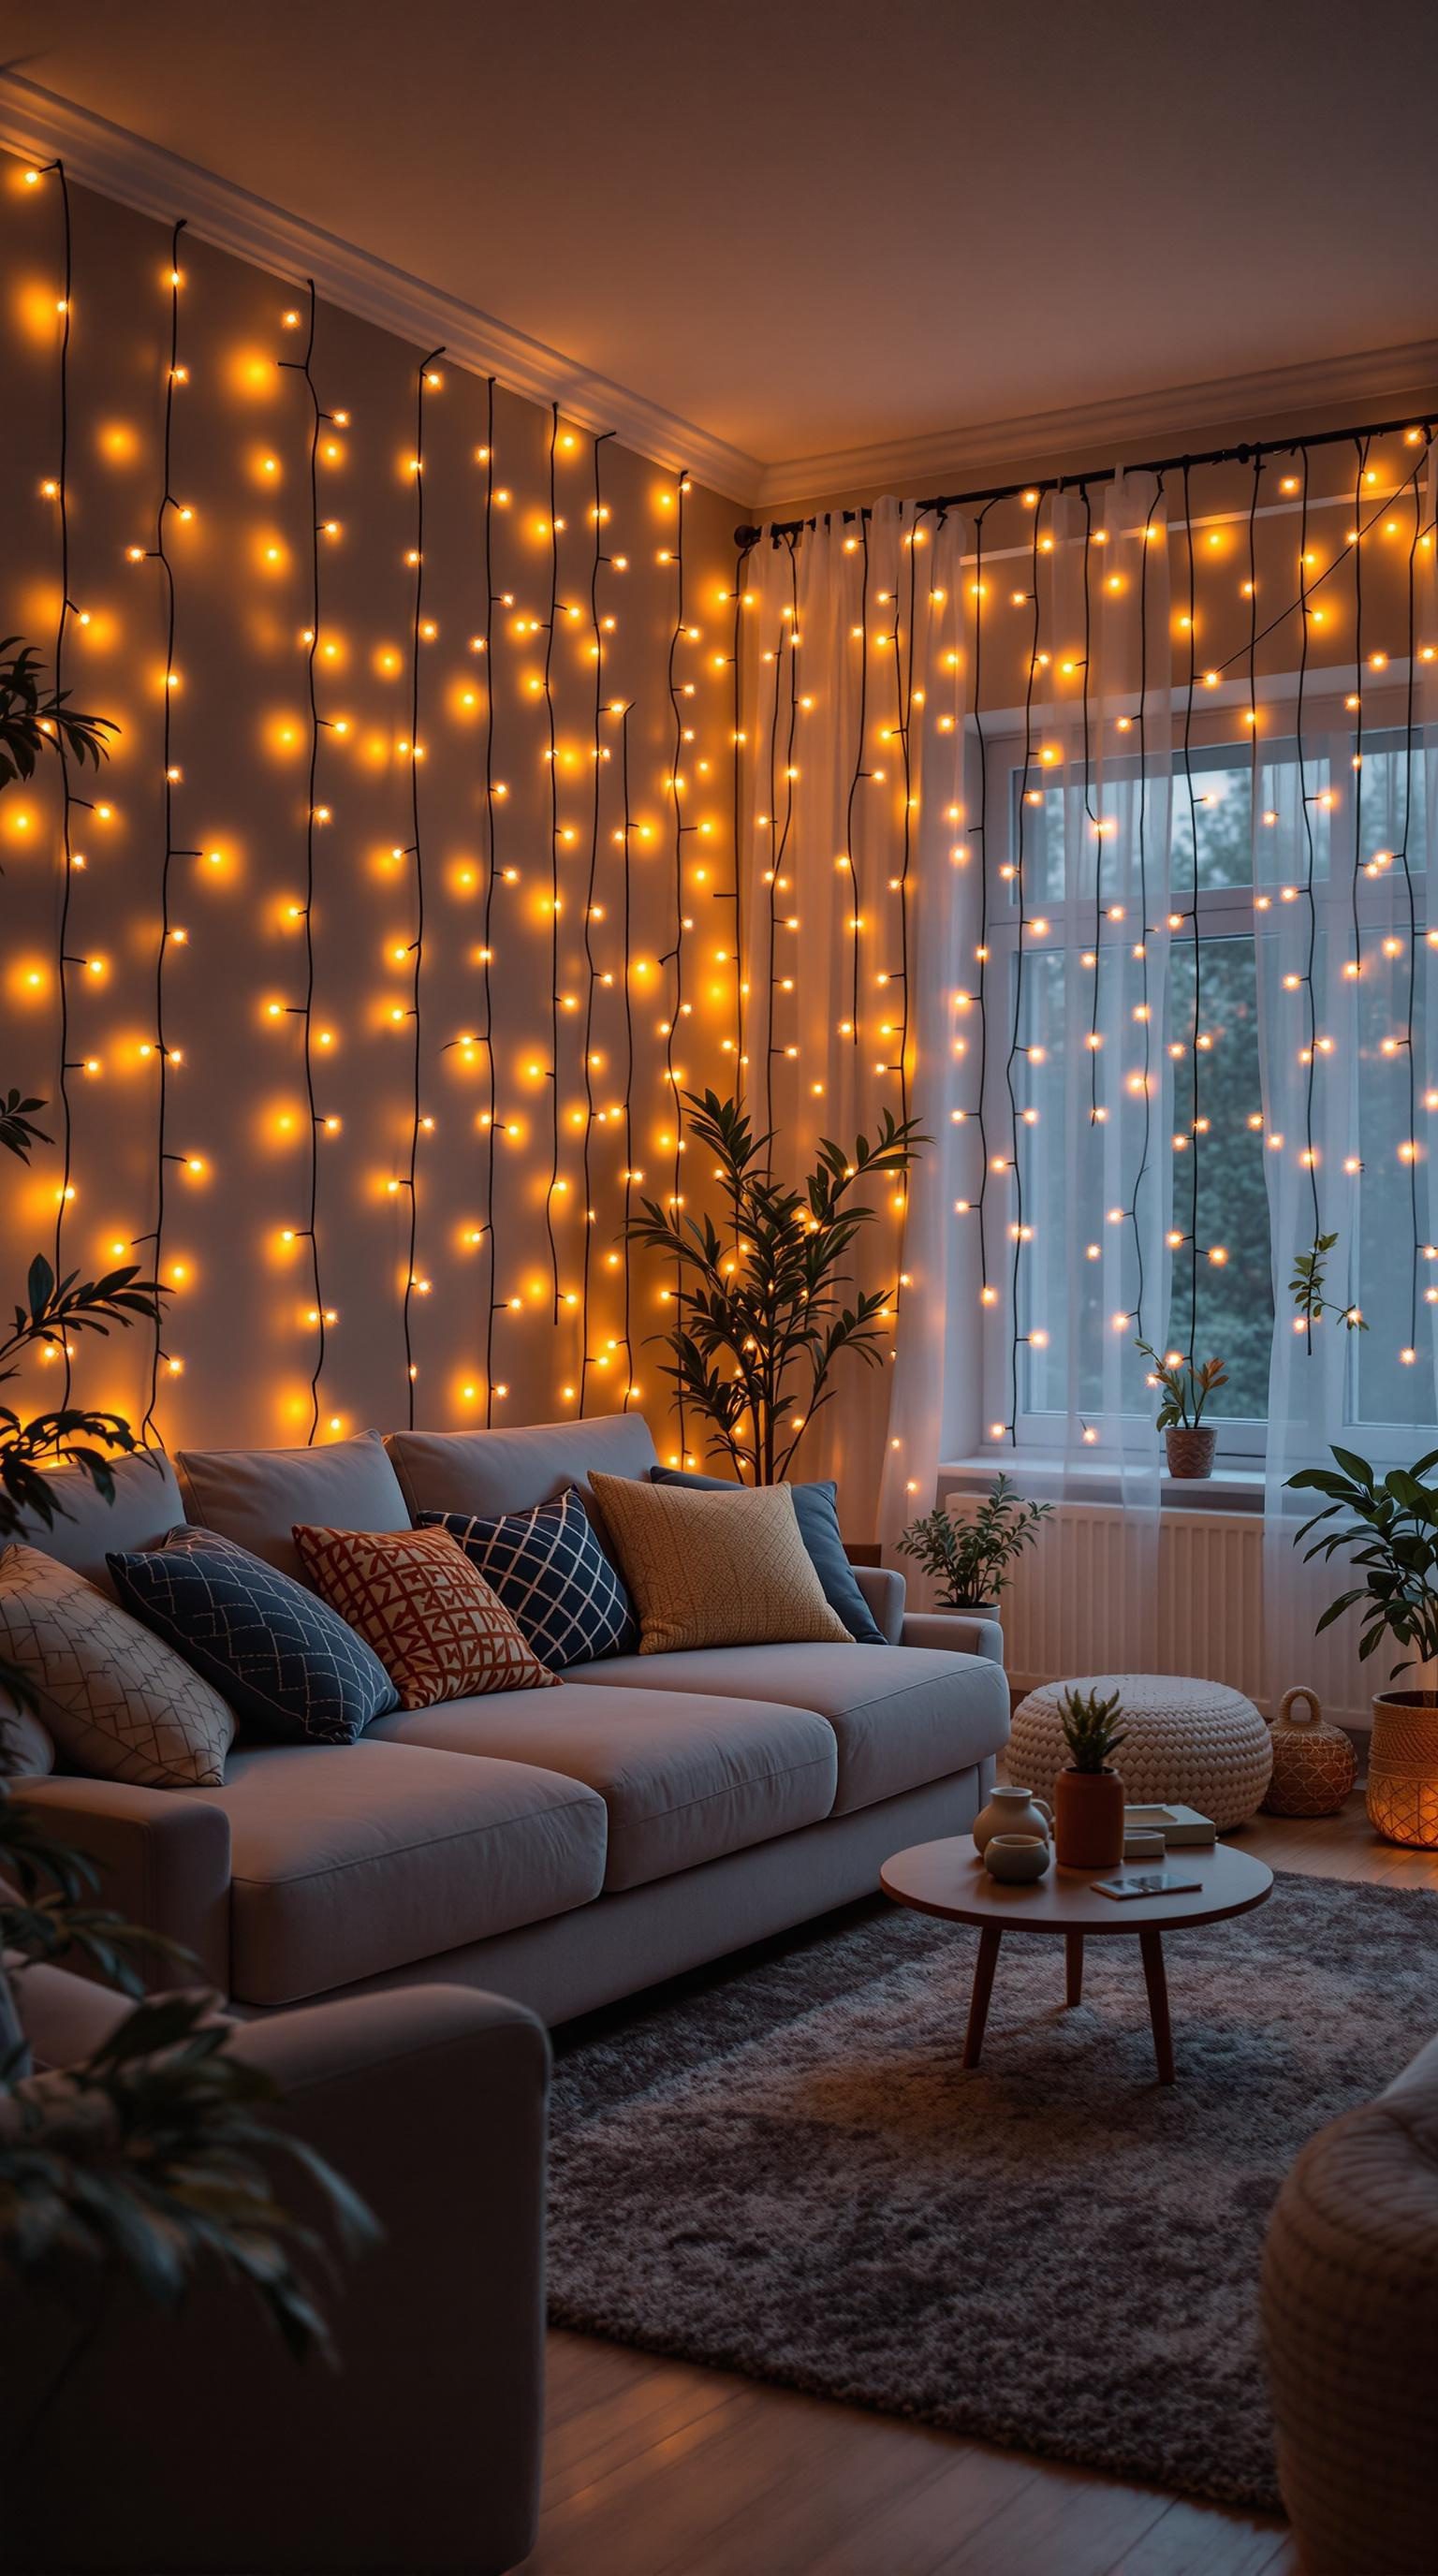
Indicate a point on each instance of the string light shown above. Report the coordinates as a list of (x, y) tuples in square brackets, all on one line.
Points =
[(425, 382), (318, 1313), (596, 629), (491, 1123), (551, 623), (65, 1193), (857, 778)]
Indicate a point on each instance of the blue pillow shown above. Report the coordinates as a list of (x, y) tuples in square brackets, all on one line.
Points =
[(286, 1662), (816, 1509), (553, 1577)]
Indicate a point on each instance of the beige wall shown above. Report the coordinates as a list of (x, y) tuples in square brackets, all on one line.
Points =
[(241, 1315)]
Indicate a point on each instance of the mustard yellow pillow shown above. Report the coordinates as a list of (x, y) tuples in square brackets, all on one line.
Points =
[(715, 1569)]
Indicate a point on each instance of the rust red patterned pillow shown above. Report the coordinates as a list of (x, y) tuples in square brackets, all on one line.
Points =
[(413, 1595)]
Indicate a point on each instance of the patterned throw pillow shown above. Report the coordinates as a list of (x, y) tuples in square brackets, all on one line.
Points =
[(552, 1574), (436, 1626), (715, 1569), (286, 1663), (120, 1704)]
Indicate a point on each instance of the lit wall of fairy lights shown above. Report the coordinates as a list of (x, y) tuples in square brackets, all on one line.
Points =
[(362, 983)]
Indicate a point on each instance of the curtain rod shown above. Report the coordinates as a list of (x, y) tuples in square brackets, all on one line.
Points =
[(1252, 451)]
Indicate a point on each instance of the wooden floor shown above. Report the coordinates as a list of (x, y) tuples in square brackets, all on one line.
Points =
[(658, 2468)]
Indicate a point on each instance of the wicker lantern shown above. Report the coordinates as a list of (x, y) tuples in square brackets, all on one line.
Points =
[(1403, 1768), (1314, 1764)]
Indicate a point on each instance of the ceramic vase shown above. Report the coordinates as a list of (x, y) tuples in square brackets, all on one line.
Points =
[(1017, 1860), (1012, 1811), (1088, 1819)]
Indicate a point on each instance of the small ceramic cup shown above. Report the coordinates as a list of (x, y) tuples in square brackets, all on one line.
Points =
[(1017, 1859)]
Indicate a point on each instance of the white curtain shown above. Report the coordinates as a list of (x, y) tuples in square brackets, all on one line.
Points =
[(854, 680), (1349, 1051)]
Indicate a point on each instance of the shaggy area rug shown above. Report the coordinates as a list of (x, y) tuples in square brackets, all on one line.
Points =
[(786, 2172)]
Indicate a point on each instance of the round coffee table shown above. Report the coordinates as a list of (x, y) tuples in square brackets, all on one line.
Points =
[(948, 1879)]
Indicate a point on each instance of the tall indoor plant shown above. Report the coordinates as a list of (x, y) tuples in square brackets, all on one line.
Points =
[(760, 1321), (969, 1560), (1388, 1527)]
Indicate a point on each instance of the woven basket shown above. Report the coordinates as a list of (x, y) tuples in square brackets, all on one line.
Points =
[(1403, 1769), (1314, 1764)]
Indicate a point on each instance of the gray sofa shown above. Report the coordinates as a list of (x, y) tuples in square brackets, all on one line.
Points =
[(564, 1848)]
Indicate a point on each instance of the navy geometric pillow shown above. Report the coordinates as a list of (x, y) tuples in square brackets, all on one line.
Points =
[(286, 1662), (552, 1576)]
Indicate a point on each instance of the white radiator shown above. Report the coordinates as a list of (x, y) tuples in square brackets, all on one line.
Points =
[(1073, 1609)]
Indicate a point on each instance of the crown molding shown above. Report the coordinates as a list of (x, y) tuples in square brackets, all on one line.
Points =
[(1122, 427), (40, 126)]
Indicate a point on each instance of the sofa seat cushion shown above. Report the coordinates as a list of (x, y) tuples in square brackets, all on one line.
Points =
[(901, 1716), (353, 1859), (685, 1779)]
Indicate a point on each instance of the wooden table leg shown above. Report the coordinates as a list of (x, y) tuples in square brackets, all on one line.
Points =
[(1073, 1958), (987, 1961), (1150, 1942)]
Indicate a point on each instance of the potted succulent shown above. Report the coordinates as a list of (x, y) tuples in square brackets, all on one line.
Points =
[(969, 1560), (1388, 1526), (1088, 1796), (1188, 1439)]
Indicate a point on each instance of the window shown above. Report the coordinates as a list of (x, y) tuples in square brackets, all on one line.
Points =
[(1235, 955)]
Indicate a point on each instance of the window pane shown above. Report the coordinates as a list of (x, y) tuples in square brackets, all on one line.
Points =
[(1235, 1294), (1219, 817)]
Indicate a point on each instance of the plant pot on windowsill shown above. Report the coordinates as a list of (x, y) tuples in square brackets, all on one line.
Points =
[(1189, 1450), (966, 1609), (1403, 1768)]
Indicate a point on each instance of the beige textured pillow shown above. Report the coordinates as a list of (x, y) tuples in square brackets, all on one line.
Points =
[(119, 1702), (707, 1569)]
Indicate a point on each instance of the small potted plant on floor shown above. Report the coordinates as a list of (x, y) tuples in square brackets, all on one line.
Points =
[(1388, 1525), (1188, 1439), (969, 1560), (1088, 1796)]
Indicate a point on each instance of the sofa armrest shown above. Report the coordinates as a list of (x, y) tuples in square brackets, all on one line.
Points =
[(423, 2448), (883, 1588), (163, 1859), (954, 1632)]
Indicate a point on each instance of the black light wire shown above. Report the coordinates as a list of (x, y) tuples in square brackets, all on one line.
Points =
[(1306, 802), (491, 1303), (416, 853), (859, 774), (627, 832), (597, 562), (68, 799), (304, 1010), (737, 891), (163, 1155), (980, 832), (1016, 1044), (1193, 1046), (551, 623)]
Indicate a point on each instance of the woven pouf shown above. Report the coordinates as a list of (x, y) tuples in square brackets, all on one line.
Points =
[(1193, 1744)]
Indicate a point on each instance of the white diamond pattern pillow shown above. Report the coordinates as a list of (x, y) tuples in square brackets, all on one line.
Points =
[(119, 1702), (553, 1577)]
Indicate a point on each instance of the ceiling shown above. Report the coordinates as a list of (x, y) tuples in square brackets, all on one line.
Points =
[(812, 226)]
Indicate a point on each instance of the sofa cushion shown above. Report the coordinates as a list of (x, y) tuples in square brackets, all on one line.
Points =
[(289, 1666), (900, 1716), (347, 1863), (714, 1569), (816, 1509), (147, 1503), (685, 1779), (255, 1496), (553, 1577), (506, 1471), (440, 1631), (119, 1702)]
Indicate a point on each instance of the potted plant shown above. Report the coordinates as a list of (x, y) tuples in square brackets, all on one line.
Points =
[(1388, 1526), (969, 1560), (759, 1322), (1188, 1439), (1088, 1796)]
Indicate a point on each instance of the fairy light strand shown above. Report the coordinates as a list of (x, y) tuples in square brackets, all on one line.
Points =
[(304, 1010), (626, 830), (598, 560), (980, 833), (1195, 1113), (67, 798), (788, 626), (1409, 1148), (1017, 1047), (675, 957), (1145, 985), (159, 1356), (1306, 800), (486, 953), (858, 775), (415, 853), (552, 764), (741, 571)]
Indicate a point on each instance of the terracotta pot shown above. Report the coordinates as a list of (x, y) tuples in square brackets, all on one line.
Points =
[(1088, 1819), (1403, 1768), (1190, 1452)]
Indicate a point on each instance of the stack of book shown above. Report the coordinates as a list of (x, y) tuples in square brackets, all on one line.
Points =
[(1149, 1831)]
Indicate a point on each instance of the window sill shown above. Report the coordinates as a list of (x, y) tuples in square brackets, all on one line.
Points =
[(1235, 1488)]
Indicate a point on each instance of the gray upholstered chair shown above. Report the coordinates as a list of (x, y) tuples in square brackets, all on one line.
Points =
[(1350, 2315), (196, 2443)]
